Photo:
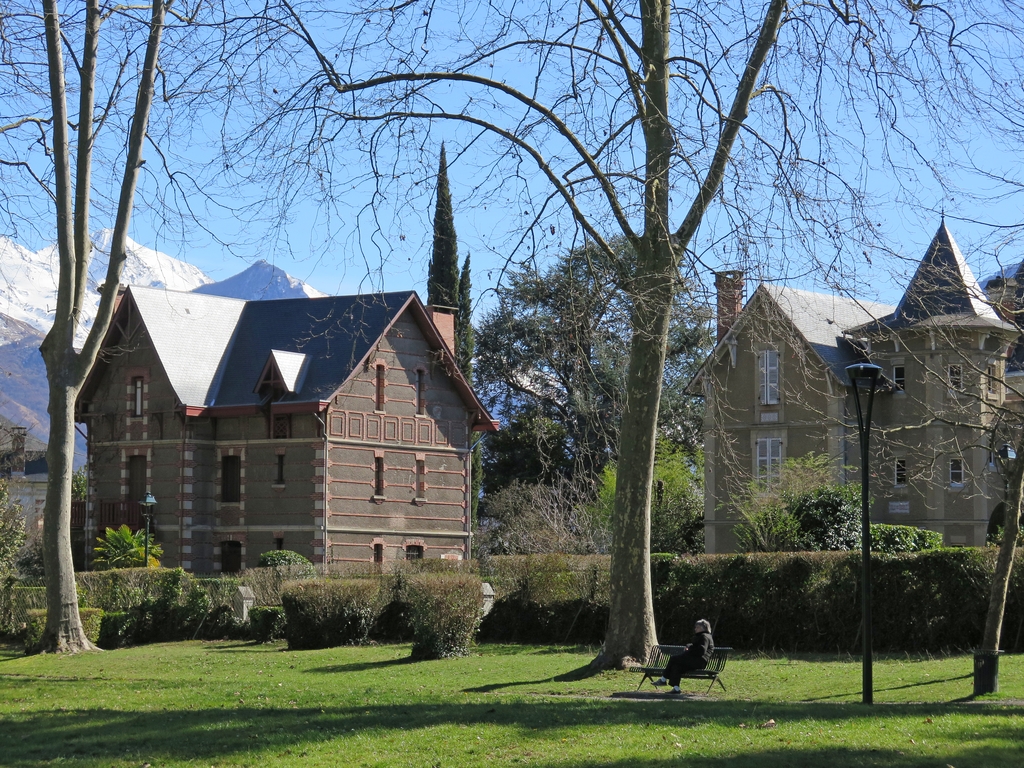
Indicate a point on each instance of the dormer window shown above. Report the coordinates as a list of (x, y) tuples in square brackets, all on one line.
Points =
[(283, 374)]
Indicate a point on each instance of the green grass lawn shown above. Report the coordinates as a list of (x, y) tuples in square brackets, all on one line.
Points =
[(232, 704)]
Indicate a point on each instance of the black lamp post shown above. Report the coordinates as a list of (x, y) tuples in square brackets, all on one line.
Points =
[(147, 505), (864, 376)]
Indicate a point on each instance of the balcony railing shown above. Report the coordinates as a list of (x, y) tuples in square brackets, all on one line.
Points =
[(109, 514), (114, 514)]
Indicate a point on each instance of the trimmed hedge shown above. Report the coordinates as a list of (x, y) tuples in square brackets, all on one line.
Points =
[(810, 601), (266, 623), (547, 599), (35, 623), (322, 614), (445, 610)]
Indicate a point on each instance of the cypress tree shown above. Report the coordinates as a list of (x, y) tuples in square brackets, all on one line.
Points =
[(443, 277), (464, 347), (464, 342)]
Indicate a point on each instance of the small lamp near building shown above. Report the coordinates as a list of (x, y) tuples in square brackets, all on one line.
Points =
[(864, 382), (147, 505)]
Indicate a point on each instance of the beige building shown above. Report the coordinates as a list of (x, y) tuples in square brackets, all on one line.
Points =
[(338, 427), (23, 465), (776, 387)]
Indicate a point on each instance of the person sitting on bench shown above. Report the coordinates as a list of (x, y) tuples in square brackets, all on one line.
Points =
[(696, 655)]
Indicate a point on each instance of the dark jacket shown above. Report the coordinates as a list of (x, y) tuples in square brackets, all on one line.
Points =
[(701, 646)]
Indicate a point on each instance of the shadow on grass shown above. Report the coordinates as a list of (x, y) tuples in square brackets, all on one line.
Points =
[(581, 673), (248, 733), (363, 666), (900, 688)]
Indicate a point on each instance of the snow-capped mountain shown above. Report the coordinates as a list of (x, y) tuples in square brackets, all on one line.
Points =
[(261, 281), (28, 298), (28, 280)]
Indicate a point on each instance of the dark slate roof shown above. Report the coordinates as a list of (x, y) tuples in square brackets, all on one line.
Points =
[(943, 292), (334, 333), (822, 319)]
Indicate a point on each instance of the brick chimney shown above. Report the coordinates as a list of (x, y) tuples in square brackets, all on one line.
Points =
[(729, 285), (443, 319), (18, 435)]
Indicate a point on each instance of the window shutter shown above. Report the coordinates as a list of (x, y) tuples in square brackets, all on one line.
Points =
[(768, 362)]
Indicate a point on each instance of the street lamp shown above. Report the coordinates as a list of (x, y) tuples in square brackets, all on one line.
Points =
[(147, 505), (864, 376)]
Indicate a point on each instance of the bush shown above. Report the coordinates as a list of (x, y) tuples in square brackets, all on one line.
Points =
[(266, 623), (445, 611), (32, 633), (547, 599), (931, 601), (276, 558), (897, 539), (115, 630), (830, 517), (163, 604), (322, 614)]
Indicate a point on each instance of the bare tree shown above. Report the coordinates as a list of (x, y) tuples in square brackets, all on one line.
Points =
[(627, 112), (70, 171)]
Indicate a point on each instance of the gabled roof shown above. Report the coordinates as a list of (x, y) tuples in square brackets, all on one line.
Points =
[(216, 351), (191, 333), (335, 333), (943, 292), (822, 319)]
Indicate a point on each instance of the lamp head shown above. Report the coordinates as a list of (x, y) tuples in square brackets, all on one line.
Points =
[(149, 501), (863, 375)]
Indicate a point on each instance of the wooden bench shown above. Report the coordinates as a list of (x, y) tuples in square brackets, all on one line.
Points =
[(660, 654)]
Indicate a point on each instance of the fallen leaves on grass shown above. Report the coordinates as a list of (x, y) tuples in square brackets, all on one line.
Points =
[(769, 724)]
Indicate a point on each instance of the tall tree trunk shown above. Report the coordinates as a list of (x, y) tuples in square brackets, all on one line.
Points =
[(66, 368), (1004, 562), (64, 632), (631, 631)]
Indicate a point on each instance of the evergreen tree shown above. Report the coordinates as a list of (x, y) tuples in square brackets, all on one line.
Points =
[(464, 341), (443, 277), (464, 346)]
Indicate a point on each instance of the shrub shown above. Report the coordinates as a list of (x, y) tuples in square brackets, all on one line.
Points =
[(930, 601), (277, 558), (322, 614), (120, 548), (897, 539), (163, 604), (32, 633), (115, 630), (266, 623), (547, 599), (770, 529), (829, 516), (445, 610)]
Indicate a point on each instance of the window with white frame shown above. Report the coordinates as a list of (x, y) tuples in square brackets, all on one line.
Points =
[(955, 376), (899, 378), (769, 458), (899, 472), (768, 367), (992, 380), (956, 471)]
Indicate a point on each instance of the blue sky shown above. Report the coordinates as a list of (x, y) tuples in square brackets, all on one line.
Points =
[(358, 242)]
